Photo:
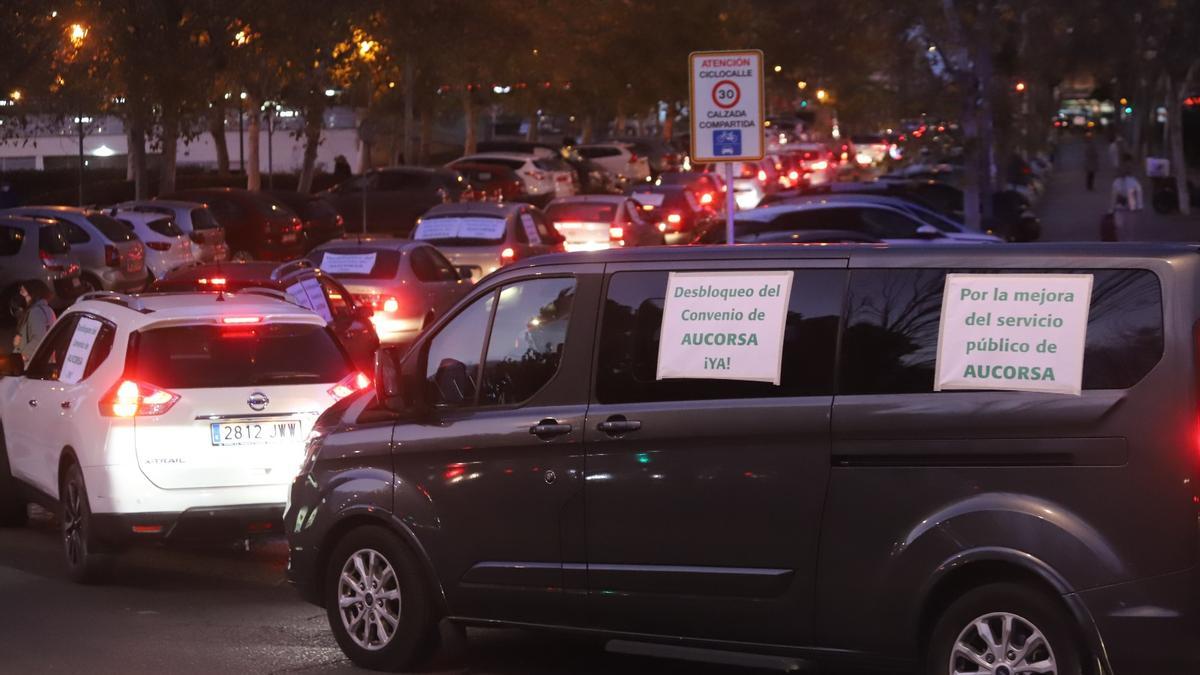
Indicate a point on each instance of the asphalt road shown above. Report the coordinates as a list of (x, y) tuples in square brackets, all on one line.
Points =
[(226, 611)]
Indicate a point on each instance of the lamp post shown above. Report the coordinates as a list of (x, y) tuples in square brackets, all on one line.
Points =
[(76, 34), (241, 133)]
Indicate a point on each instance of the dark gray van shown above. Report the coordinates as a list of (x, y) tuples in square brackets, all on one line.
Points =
[(523, 466)]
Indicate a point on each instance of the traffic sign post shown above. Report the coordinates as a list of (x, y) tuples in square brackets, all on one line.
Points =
[(727, 113)]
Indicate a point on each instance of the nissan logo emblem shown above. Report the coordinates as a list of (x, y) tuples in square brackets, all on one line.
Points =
[(258, 401)]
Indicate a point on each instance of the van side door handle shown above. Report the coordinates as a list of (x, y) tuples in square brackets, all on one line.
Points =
[(617, 425), (549, 428)]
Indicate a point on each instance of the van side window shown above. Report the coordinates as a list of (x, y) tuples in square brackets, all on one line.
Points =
[(452, 361), (527, 339), (890, 341), (632, 320)]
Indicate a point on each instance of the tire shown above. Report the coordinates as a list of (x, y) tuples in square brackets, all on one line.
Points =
[(85, 564), (1028, 610), (408, 602), (14, 512)]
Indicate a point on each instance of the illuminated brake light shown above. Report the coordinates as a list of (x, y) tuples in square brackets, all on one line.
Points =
[(616, 233), (147, 529), (793, 174), (240, 320), (391, 305), (674, 218), (762, 176), (819, 166), (353, 382), (136, 399), (706, 198), (215, 281), (508, 254)]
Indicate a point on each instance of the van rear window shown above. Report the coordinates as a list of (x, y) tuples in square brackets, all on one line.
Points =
[(890, 341), (199, 357)]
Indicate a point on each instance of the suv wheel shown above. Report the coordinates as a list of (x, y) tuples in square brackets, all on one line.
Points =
[(377, 601), (1004, 629), (84, 563), (13, 510)]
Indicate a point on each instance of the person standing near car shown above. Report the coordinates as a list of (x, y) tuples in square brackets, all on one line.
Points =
[(35, 321), (1126, 200), (1091, 161)]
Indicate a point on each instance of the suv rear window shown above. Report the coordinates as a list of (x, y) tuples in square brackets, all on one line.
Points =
[(198, 357), (113, 229), (890, 341), (202, 219), (53, 240)]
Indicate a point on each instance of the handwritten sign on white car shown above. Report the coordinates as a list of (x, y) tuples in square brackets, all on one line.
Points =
[(79, 351), (348, 263), (727, 105), (724, 325), (1013, 332)]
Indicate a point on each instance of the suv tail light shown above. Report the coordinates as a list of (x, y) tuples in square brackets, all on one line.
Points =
[(507, 255), (112, 257), (391, 305), (616, 233), (48, 261), (130, 398), (353, 382)]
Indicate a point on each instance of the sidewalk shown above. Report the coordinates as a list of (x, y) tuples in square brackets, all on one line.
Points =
[(1070, 213)]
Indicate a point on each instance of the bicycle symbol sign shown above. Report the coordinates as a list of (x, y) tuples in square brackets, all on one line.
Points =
[(726, 94)]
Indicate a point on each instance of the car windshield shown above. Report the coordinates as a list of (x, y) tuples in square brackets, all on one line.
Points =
[(112, 229), (581, 213), (358, 263), (205, 357), (461, 230)]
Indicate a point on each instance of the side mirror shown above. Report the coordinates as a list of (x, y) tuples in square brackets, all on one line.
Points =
[(388, 387), (12, 365), (464, 272), (929, 232)]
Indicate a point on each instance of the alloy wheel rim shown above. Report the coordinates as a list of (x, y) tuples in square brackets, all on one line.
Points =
[(73, 525), (369, 599), (1002, 643)]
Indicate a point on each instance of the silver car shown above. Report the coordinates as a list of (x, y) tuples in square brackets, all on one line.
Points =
[(485, 236), (408, 283), (195, 219), (110, 256), (30, 249)]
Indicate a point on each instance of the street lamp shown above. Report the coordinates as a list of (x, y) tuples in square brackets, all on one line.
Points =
[(801, 84), (822, 95), (15, 95), (76, 32)]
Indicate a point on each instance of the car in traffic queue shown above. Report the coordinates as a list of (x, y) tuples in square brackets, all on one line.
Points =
[(482, 237), (526, 465), (395, 197), (195, 219), (257, 227), (165, 417), (167, 246), (812, 164), (870, 149), (322, 221), (709, 188), (544, 174), (298, 281), (675, 211), (34, 248), (406, 285), (597, 222), (914, 209), (491, 181), (109, 254), (620, 159)]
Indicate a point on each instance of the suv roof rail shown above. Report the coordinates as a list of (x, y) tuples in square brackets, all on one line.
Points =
[(274, 293), (122, 299), (291, 266)]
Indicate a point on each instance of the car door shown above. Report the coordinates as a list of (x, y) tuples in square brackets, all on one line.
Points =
[(353, 329), (703, 496), (498, 455), (31, 428)]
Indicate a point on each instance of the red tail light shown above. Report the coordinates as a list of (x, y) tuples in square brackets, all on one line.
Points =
[(112, 257), (706, 198), (507, 255), (240, 320), (353, 382), (616, 233), (633, 158), (136, 399), (341, 222), (674, 218), (158, 245), (48, 261)]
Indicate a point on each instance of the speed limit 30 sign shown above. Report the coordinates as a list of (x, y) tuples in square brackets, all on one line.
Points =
[(727, 105)]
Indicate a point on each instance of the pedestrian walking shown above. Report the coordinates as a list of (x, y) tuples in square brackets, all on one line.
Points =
[(341, 168), (1114, 152), (1091, 161), (35, 321), (1126, 200)]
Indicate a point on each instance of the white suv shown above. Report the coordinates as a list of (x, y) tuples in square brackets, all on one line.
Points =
[(173, 416)]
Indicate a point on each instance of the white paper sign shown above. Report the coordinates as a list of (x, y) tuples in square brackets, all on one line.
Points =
[(348, 263), (309, 294), (80, 351), (1013, 332), (724, 325), (456, 228), (530, 228)]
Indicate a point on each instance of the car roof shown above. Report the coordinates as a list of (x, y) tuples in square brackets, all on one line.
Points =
[(766, 213), (56, 208), (20, 219), (138, 217), (493, 209), (499, 155), (1003, 255), (852, 198), (372, 242), (140, 310), (164, 203), (590, 199)]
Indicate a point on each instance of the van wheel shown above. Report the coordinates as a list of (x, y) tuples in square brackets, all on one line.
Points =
[(84, 564), (14, 512), (378, 602), (1004, 629)]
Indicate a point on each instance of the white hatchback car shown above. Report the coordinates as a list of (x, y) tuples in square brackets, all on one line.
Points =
[(167, 245), (174, 416)]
